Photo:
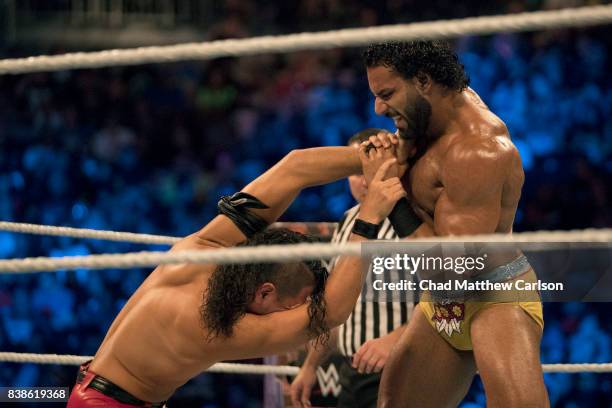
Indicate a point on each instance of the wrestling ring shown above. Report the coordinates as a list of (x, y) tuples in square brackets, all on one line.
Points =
[(580, 17)]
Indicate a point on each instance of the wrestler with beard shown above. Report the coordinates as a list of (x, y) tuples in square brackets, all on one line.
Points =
[(465, 177)]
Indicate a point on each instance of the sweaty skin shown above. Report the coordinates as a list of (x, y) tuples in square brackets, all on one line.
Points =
[(468, 173), (158, 341), (466, 178), (470, 179)]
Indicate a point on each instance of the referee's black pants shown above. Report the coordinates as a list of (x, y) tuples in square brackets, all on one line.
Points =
[(358, 390)]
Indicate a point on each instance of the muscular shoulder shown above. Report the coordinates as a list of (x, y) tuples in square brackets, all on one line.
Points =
[(483, 150), (480, 160)]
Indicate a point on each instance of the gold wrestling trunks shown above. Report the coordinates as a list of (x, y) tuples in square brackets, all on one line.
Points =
[(451, 317)]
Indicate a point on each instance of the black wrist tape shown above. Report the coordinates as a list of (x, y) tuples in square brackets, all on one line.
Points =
[(365, 229), (403, 218), (236, 206)]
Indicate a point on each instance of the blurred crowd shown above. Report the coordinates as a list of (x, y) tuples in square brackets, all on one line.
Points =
[(151, 148)]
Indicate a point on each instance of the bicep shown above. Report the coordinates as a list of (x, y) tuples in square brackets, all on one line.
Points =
[(275, 189)]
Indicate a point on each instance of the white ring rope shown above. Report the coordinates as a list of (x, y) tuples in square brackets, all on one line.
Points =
[(533, 241), (571, 17), (38, 229), (263, 369), (78, 360), (87, 233)]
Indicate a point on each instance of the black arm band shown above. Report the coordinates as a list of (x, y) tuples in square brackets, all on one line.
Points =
[(365, 229), (403, 218), (236, 207)]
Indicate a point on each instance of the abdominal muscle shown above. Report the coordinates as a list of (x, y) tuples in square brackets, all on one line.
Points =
[(157, 342)]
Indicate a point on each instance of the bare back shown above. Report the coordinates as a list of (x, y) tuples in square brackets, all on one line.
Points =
[(157, 343)]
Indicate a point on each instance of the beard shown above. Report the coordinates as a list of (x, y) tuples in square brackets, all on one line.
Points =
[(418, 115)]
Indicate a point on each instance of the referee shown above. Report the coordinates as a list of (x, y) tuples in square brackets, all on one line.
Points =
[(368, 335)]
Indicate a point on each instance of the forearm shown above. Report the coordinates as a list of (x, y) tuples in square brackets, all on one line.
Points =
[(318, 353), (344, 286), (279, 186), (322, 165)]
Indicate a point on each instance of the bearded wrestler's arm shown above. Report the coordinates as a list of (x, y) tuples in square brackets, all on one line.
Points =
[(277, 188), (473, 180)]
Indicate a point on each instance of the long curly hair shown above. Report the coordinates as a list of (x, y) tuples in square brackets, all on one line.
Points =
[(231, 288), (411, 58)]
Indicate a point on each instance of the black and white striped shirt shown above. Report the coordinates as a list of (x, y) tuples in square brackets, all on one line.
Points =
[(368, 320)]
